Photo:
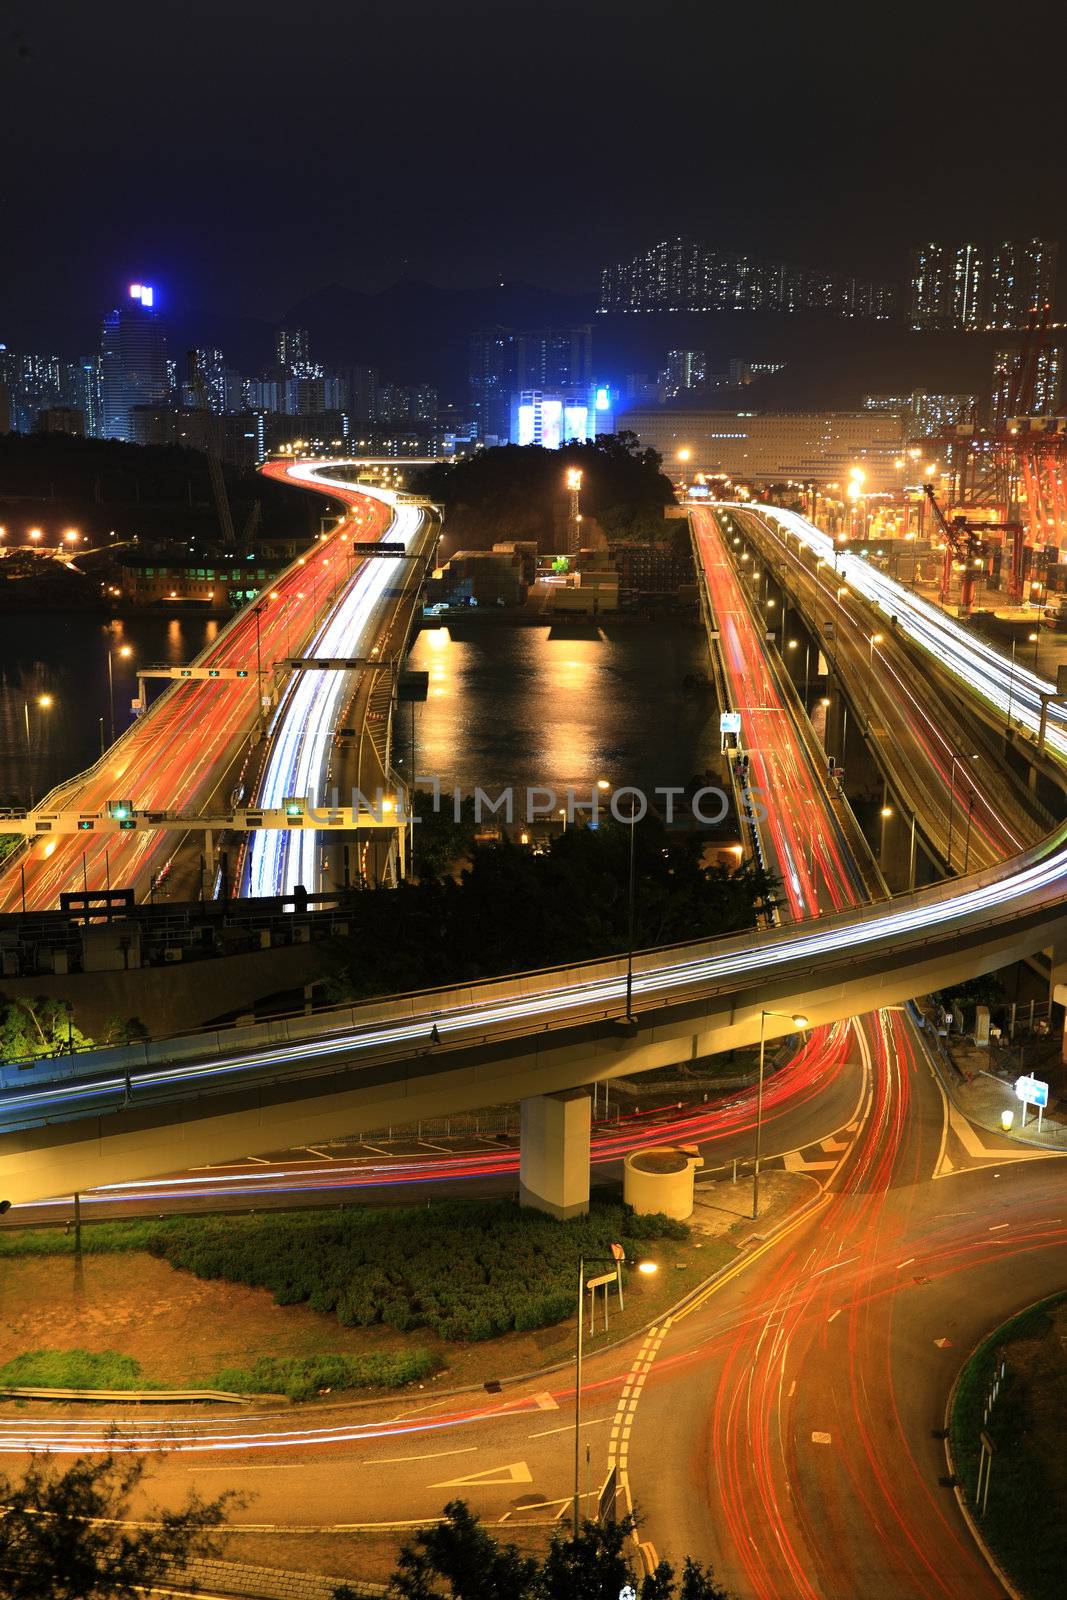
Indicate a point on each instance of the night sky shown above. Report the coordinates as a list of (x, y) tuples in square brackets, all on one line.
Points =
[(244, 155)]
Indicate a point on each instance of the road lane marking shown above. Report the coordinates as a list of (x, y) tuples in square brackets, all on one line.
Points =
[(389, 1461), (568, 1427), (515, 1472), (834, 1314), (902, 1264), (545, 1401), (835, 1264), (820, 1438)]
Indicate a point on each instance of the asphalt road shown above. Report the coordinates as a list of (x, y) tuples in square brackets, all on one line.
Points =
[(782, 1426)]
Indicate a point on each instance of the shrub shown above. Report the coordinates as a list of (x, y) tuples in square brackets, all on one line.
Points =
[(467, 1270), (301, 1377), (73, 1369)]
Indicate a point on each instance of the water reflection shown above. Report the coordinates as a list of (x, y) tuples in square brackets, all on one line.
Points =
[(66, 656), (521, 706), (506, 705)]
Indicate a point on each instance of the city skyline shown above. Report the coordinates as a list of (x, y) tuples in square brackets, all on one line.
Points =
[(815, 178)]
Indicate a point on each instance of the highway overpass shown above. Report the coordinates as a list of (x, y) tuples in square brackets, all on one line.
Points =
[(82, 1121)]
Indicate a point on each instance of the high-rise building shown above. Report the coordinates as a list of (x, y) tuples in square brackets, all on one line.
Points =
[(503, 362), (292, 351), (361, 389), (85, 393), (223, 386), (742, 372), (947, 286), (492, 381), (552, 418), (952, 288), (922, 413), (133, 361), (683, 274), (554, 357), (1022, 279), (685, 370), (1047, 382)]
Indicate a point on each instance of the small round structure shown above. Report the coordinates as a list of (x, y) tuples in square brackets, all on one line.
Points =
[(660, 1180)]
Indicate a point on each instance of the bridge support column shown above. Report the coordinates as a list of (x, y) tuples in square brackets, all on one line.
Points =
[(554, 1153), (1057, 988)]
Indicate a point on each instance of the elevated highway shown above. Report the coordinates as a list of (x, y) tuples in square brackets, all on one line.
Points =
[(180, 754), (78, 1122), (906, 724), (1006, 696)]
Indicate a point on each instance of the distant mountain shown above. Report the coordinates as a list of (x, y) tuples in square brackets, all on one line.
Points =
[(416, 332)]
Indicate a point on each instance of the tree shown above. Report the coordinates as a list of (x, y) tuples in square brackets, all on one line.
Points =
[(441, 840), (518, 491), (458, 1559), (64, 1534), (40, 1027)]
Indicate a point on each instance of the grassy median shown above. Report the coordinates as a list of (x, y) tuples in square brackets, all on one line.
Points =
[(1025, 1523)]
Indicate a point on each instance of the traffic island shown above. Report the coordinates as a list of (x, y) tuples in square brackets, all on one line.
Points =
[(1006, 1426), (453, 1292)]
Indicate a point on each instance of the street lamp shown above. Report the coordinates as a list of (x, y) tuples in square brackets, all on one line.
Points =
[(951, 798), (875, 638), (573, 481), (256, 609), (799, 1021), (125, 652), (44, 701), (618, 1260)]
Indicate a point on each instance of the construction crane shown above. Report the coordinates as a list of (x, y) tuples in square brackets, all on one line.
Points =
[(964, 542)]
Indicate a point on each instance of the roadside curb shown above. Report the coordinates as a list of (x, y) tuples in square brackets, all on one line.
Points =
[(957, 1489), (250, 1581), (400, 1395), (951, 1090)]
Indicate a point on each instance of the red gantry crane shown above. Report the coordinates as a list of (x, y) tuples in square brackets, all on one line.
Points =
[(964, 542)]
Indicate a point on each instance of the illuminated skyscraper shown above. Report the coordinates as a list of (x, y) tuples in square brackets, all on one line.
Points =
[(1007, 372), (683, 274), (946, 286), (292, 351), (685, 370), (1022, 279), (133, 362)]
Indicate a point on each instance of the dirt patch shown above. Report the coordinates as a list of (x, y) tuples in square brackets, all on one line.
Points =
[(183, 1329)]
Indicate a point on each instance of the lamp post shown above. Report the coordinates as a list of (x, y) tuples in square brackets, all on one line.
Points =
[(951, 798), (967, 842), (875, 638), (256, 609), (44, 701), (125, 652), (573, 481), (799, 1021), (1011, 687), (617, 1259)]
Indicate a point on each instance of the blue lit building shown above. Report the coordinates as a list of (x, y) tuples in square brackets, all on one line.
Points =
[(554, 417), (133, 362)]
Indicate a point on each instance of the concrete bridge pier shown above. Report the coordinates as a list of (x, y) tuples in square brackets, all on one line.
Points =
[(554, 1153), (1057, 987)]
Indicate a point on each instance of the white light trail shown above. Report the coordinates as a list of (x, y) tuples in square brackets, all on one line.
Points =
[(310, 711)]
